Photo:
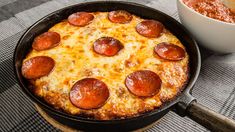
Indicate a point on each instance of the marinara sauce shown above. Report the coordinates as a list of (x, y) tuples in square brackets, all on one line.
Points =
[(212, 8)]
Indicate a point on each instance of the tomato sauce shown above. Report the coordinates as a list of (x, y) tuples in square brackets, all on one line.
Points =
[(212, 8)]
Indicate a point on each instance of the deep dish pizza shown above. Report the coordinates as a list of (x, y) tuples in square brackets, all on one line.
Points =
[(106, 65)]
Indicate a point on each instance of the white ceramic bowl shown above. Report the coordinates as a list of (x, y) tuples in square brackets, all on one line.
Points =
[(213, 34)]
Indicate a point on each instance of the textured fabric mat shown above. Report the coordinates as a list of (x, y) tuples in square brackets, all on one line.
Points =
[(214, 88)]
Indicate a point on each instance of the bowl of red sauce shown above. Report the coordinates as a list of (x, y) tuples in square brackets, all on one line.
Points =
[(210, 22)]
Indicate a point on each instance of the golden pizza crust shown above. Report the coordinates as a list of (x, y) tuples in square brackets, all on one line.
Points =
[(75, 60)]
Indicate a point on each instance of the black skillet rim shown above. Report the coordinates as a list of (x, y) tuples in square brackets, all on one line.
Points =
[(60, 113)]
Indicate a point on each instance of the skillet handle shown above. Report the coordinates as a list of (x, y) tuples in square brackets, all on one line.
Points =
[(209, 119)]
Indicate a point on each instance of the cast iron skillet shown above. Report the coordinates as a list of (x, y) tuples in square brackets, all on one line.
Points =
[(184, 104)]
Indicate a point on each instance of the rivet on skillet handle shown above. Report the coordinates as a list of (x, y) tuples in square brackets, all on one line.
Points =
[(208, 118), (185, 100)]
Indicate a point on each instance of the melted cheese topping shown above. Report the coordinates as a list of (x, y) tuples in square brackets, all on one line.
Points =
[(75, 60)]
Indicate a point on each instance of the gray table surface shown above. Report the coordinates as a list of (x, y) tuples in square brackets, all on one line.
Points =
[(215, 87)]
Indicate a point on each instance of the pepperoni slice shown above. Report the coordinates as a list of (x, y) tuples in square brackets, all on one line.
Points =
[(119, 16), (37, 67), (107, 46), (169, 51), (80, 19), (89, 93), (149, 28), (143, 83), (46, 41)]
